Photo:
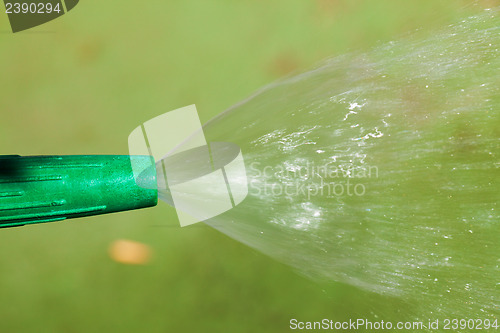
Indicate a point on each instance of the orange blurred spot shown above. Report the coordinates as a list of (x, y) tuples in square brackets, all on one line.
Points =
[(130, 252), (283, 64), (89, 51)]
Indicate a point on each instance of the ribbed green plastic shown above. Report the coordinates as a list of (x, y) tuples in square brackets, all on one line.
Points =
[(54, 188)]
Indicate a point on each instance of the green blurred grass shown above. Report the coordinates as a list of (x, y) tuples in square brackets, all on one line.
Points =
[(80, 84)]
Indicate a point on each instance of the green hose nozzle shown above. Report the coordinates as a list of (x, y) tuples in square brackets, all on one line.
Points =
[(54, 188)]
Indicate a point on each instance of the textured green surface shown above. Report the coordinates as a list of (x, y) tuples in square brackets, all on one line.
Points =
[(81, 83), (54, 188)]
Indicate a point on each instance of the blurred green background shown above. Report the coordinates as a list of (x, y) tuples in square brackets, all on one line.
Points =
[(81, 83)]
